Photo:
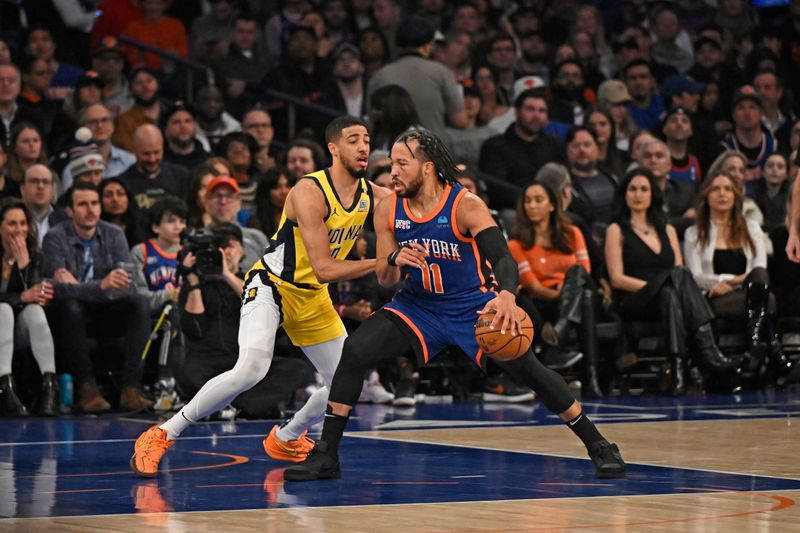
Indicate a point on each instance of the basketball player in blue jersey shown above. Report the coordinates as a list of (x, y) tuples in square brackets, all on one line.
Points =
[(437, 237)]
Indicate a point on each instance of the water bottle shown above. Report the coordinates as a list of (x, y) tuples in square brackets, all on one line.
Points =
[(65, 389)]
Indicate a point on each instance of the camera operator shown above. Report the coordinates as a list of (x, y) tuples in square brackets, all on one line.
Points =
[(210, 303)]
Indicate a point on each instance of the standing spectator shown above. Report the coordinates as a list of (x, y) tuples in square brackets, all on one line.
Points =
[(213, 121), (514, 157), (223, 202), (180, 130), (108, 60), (433, 89), (147, 107), (151, 177), (677, 130), (83, 256), (258, 123), (157, 30), (726, 254), (749, 135), (38, 194), (12, 110), (241, 71), (647, 106), (644, 263), (593, 188), (22, 318), (40, 44), (118, 208)]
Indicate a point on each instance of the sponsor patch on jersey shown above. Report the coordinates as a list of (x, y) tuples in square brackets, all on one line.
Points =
[(362, 205), (441, 220), (402, 224)]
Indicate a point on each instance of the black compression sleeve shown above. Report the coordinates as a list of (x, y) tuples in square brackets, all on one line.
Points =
[(492, 245)]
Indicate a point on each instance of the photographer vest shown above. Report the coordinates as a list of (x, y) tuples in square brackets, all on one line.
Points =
[(286, 257)]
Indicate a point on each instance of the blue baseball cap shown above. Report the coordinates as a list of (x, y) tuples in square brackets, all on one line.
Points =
[(677, 84)]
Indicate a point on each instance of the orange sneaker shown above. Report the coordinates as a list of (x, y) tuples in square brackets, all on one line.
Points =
[(150, 447), (292, 450)]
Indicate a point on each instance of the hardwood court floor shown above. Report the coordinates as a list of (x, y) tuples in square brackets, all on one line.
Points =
[(717, 463)]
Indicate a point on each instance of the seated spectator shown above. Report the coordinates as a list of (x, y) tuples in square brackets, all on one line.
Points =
[(567, 84), (258, 123), (108, 60), (151, 177), (36, 191), (726, 254), (646, 105), (147, 107), (375, 49), (85, 162), (223, 202), (554, 271), (158, 30), (777, 118), (593, 188), (210, 33), (347, 88), (87, 258), (734, 164), (270, 197), (240, 150), (680, 91), (514, 157), (771, 191), (677, 130), (88, 91), (36, 80), (679, 196), (613, 98), (40, 44), (26, 148), (213, 121), (8, 187), (484, 78), (155, 276), (304, 157), (635, 152), (22, 320), (609, 154), (99, 120), (118, 208), (13, 110), (749, 136), (180, 130), (196, 196), (644, 264), (209, 310)]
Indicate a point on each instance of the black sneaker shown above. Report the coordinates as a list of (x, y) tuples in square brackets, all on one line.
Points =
[(560, 359), (503, 389), (607, 459), (321, 464)]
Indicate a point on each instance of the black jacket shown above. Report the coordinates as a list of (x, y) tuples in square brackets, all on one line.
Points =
[(22, 279), (213, 333)]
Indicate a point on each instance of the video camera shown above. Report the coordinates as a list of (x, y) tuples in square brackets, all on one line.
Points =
[(205, 245)]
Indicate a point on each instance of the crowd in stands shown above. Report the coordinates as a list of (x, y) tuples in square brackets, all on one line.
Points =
[(638, 155)]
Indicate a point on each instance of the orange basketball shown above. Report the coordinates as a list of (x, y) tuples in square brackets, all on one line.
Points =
[(504, 346)]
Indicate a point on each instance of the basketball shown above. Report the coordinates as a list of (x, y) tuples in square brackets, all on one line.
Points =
[(504, 346)]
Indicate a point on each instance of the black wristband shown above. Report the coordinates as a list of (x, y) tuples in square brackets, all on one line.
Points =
[(392, 259), (191, 288)]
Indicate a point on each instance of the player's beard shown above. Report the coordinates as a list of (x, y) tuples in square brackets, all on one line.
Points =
[(355, 170), (413, 188)]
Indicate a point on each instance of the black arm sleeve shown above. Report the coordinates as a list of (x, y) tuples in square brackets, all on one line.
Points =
[(492, 245)]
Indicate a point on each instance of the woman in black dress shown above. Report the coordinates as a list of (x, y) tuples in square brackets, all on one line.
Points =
[(644, 264)]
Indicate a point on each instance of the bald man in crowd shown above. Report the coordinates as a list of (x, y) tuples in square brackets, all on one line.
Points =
[(152, 178)]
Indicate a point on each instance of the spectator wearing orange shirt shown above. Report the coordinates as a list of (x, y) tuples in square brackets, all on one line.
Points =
[(554, 271), (157, 30)]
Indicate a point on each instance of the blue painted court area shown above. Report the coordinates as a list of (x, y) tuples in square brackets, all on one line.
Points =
[(79, 466)]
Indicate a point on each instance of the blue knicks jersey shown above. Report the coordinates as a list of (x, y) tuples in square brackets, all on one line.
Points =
[(160, 267), (455, 268)]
